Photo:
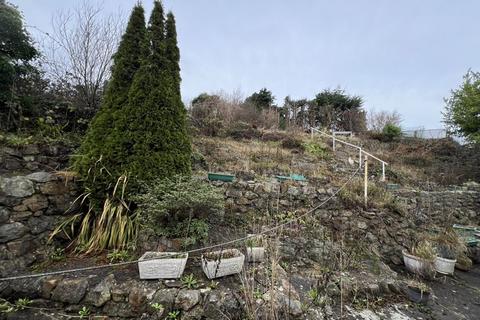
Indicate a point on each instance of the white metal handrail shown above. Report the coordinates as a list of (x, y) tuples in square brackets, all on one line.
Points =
[(360, 150)]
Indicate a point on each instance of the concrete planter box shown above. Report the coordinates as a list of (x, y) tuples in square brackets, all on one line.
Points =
[(416, 265), (170, 265), (255, 254), (445, 266), (222, 263)]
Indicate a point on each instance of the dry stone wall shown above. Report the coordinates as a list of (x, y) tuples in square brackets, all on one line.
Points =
[(32, 201), (30, 208)]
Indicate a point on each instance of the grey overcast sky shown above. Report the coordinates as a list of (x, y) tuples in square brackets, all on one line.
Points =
[(399, 55)]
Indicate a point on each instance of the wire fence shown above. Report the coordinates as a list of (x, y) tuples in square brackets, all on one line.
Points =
[(426, 133), (433, 134)]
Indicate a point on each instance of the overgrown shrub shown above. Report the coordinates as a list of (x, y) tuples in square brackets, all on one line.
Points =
[(175, 207), (391, 132), (210, 114), (316, 149), (378, 197), (243, 130), (274, 136), (293, 143)]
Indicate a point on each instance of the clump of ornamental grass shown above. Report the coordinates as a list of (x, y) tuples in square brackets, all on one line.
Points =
[(112, 227)]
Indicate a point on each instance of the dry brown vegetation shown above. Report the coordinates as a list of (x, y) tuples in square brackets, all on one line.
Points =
[(261, 157)]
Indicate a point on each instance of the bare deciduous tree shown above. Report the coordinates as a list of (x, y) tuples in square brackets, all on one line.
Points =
[(80, 49), (377, 120)]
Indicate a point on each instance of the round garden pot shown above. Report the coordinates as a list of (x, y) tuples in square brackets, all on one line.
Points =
[(417, 265), (445, 266), (416, 295)]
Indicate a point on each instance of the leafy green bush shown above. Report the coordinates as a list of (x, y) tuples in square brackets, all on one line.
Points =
[(391, 131), (463, 107), (179, 196), (316, 149), (175, 207)]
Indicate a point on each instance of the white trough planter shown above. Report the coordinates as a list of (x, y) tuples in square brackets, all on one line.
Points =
[(445, 266), (415, 264), (255, 254), (231, 262), (170, 265)]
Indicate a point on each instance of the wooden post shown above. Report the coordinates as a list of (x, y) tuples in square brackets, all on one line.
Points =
[(311, 133), (365, 193)]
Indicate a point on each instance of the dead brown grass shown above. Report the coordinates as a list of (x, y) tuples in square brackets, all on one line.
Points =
[(261, 157)]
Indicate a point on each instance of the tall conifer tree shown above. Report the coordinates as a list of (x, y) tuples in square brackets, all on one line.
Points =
[(155, 116), (102, 140), (171, 50)]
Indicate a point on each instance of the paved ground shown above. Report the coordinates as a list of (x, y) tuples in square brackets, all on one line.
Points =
[(454, 298)]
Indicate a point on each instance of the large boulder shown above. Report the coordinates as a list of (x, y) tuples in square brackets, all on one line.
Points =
[(24, 288), (187, 299), (54, 188), (139, 294), (41, 224), (101, 293), (36, 202), (4, 214), (165, 296), (70, 290), (41, 176), (12, 231), (18, 187)]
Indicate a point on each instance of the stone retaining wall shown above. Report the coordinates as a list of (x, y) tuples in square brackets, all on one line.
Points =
[(272, 195), (460, 204), (33, 157), (30, 207)]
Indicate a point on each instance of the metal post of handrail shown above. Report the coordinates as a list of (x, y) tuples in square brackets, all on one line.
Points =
[(360, 157), (360, 150), (383, 171)]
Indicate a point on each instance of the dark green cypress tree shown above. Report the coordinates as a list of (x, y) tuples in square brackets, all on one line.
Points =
[(104, 139), (172, 52), (155, 116)]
